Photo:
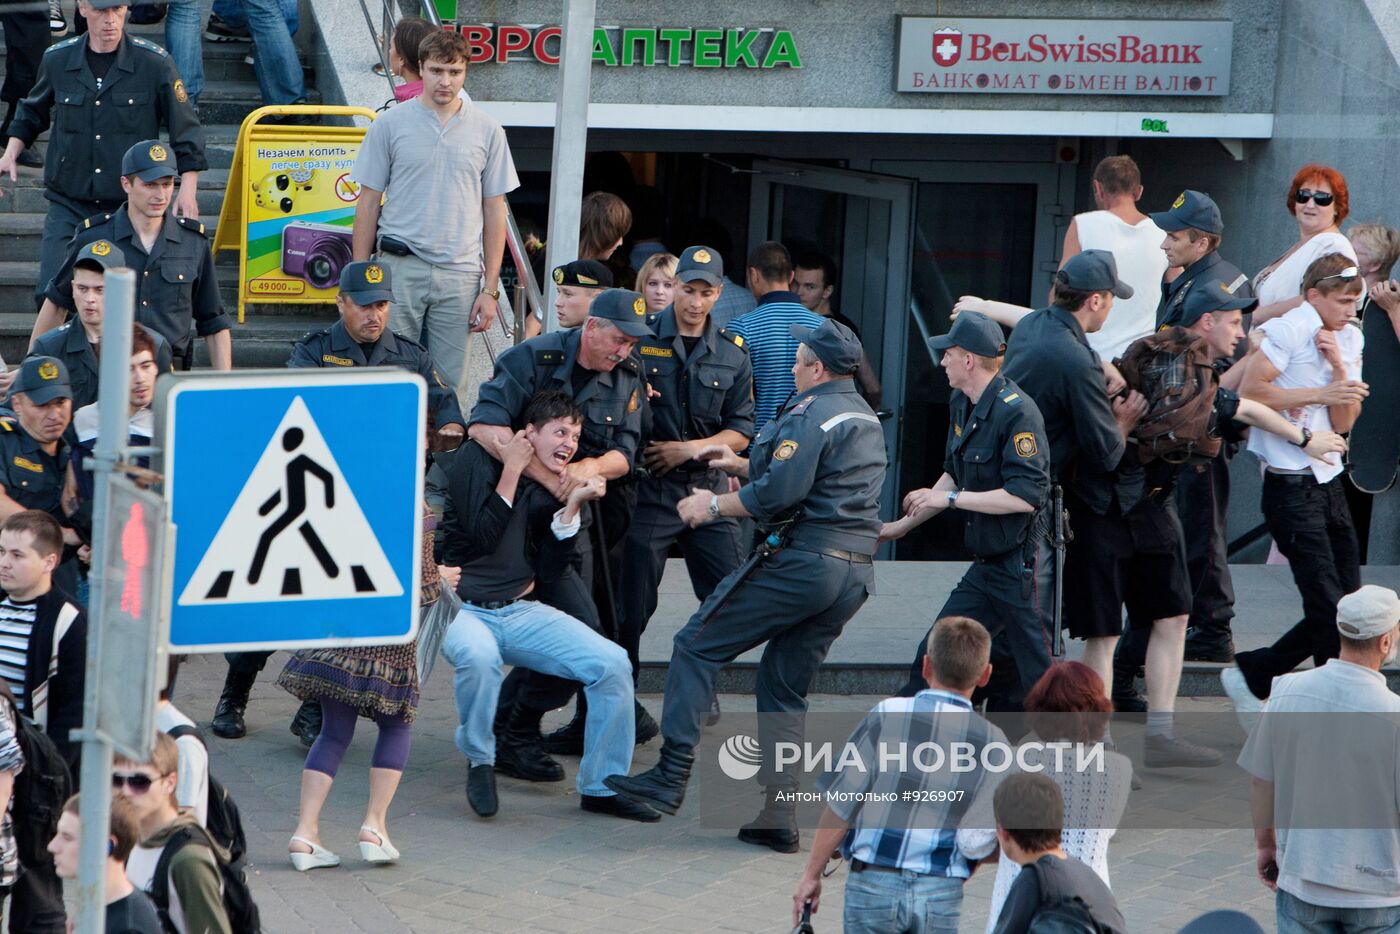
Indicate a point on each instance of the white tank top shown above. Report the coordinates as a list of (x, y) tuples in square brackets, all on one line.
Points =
[(1141, 264)]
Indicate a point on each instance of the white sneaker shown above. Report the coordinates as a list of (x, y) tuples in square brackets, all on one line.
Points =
[(1247, 706)]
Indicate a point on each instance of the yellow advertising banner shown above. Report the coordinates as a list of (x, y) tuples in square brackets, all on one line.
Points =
[(291, 205)]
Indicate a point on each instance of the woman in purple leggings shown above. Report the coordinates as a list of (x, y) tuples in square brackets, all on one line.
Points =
[(376, 682)]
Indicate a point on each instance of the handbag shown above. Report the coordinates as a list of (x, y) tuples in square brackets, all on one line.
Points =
[(433, 627)]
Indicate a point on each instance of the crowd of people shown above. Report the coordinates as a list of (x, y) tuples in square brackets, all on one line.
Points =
[(730, 415)]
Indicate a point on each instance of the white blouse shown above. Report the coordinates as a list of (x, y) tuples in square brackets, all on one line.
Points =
[(1286, 281)]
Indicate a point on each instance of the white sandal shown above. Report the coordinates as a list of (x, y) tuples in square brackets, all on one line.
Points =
[(381, 852), (318, 858)]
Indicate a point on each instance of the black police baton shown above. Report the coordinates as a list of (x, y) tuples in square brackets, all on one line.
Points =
[(805, 925), (1057, 502), (600, 560)]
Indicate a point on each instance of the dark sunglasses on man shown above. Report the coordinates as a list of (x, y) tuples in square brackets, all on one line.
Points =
[(1319, 198), (140, 783)]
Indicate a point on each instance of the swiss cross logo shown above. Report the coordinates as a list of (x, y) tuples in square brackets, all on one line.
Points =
[(947, 46)]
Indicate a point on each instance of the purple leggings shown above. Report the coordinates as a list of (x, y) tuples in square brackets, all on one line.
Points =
[(338, 728)]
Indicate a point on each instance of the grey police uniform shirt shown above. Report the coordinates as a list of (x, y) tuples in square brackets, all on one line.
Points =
[(701, 393), (334, 347), (824, 454), (1208, 268), (999, 443), (92, 129), (1050, 359), (611, 402), (69, 343), (175, 281), (31, 476)]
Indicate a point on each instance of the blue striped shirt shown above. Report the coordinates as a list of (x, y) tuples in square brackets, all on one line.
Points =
[(772, 349), (917, 835)]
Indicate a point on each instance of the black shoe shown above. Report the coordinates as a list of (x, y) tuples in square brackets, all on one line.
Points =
[(713, 717), (780, 841), (58, 25), (775, 826), (29, 156), (1203, 646), (1129, 701), (617, 806), (568, 739), (228, 715), (306, 725), (216, 30), (647, 728), (520, 751), (481, 790), (1166, 752), (663, 785)]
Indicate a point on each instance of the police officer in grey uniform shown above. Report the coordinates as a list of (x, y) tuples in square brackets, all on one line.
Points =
[(702, 385), (997, 471), (821, 460), (175, 282), (98, 94), (75, 343)]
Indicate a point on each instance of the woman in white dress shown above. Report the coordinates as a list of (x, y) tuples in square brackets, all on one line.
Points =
[(1319, 202), (1068, 704)]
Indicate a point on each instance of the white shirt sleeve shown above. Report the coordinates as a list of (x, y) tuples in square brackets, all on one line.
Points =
[(1350, 341), (563, 530), (192, 786), (1282, 338)]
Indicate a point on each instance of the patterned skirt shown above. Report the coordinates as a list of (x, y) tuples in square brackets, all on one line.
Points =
[(376, 680)]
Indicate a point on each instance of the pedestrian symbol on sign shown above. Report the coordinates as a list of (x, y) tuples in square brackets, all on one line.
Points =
[(255, 557)]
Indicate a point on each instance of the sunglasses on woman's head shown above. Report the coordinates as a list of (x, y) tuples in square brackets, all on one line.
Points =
[(1319, 198), (1351, 272), (140, 783)]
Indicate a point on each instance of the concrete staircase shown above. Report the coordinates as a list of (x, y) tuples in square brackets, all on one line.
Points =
[(230, 94)]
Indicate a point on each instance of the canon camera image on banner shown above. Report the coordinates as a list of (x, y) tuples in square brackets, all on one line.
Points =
[(315, 253)]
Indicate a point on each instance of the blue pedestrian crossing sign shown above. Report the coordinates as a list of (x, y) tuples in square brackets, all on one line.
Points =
[(297, 501)]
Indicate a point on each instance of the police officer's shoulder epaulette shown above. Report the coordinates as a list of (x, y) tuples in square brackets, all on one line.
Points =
[(632, 365), (801, 407), (147, 45), (189, 223), (324, 332), (549, 357), (405, 339), (66, 43), (6, 422), (1012, 398), (96, 219), (738, 341)]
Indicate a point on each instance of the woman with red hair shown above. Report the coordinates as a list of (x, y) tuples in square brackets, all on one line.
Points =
[(1319, 202), (1067, 705)]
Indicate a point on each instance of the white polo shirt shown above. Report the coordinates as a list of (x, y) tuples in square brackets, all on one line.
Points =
[(1289, 343)]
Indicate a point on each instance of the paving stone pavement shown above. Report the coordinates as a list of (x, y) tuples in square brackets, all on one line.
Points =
[(543, 865)]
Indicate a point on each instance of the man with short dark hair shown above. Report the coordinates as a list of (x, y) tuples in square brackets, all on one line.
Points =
[(1030, 816), (814, 281)]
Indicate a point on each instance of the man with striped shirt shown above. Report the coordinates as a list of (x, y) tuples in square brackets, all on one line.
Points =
[(907, 873), (767, 330)]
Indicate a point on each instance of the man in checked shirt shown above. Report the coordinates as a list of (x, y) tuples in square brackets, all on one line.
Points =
[(898, 827)]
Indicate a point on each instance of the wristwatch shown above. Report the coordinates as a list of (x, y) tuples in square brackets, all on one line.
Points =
[(713, 508), (494, 293), (953, 497), (1307, 436)]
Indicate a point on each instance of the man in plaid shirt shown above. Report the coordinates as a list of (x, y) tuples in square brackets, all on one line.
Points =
[(898, 827)]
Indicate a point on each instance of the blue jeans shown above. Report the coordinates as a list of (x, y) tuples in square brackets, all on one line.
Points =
[(272, 23), (879, 902), (1296, 916), (184, 40), (544, 639)]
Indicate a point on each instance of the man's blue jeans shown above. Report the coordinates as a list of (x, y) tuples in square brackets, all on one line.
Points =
[(544, 639), (879, 902), (272, 23), (1296, 916), (184, 41)]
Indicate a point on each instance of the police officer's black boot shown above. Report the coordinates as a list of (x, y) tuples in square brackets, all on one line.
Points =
[(1127, 660), (775, 826), (520, 750), (568, 739), (228, 715), (306, 725), (663, 785), (1210, 642), (647, 727)]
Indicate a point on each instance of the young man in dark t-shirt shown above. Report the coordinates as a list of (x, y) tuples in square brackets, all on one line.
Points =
[(129, 910)]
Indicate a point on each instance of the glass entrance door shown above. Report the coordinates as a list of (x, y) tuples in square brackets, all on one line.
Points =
[(863, 221)]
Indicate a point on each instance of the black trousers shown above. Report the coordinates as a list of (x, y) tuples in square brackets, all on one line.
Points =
[(36, 901), (26, 38), (1312, 526), (1203, 502)]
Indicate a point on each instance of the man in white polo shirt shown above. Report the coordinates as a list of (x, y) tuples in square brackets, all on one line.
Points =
[(1309, 368), (444, 169)]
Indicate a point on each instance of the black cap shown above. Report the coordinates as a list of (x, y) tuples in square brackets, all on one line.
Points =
[(365, 283), (1191, 209), (102, 252), (585, 273), (627, 310), (1204, 296), (835, 345), (973, 332), (42, 379), (149, 160), (1093, 271), (700, 262)]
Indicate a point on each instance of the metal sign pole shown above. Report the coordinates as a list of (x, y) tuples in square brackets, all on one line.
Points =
[(570, 144), (114, 389)]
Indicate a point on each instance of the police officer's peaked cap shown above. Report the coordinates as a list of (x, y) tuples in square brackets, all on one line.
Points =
[(973, 332), (1191, 209), (584, 273), (104, 253), (42, 380), (1212, 294), (149, 160), (627, 310), (107, 4), (700, 262), (835, 345), (365, 283), (1093, 271)]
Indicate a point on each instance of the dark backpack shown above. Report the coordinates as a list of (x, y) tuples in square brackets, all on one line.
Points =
[(1172, 369), (1062, 914), (40, 789), (242, 911), (145, 14), (222, 820)]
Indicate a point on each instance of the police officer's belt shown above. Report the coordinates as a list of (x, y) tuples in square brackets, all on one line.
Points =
[(851, 556)]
